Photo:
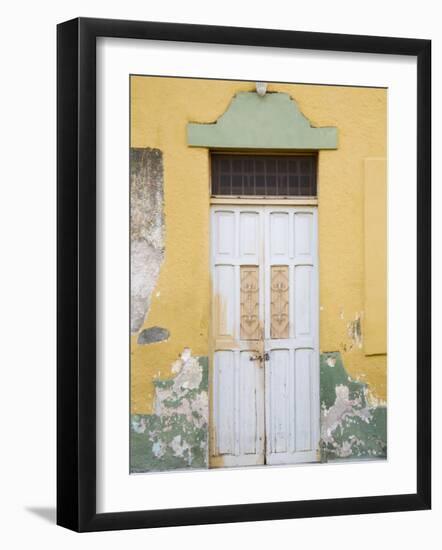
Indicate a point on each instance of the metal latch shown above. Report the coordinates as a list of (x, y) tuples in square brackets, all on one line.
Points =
[(264, 357)]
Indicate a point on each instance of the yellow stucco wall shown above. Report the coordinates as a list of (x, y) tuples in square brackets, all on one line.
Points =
[(160, 111), (375, 267)]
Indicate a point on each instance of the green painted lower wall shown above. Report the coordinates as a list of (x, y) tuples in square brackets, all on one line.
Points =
[(350, 426), (176, 436)]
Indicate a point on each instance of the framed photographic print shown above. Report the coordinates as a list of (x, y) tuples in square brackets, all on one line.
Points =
[(243, 274)]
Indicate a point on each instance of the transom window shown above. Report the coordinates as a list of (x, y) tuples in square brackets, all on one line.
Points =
[(264, 175)]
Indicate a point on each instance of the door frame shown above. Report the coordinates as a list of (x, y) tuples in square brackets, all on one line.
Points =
[(267, 202)]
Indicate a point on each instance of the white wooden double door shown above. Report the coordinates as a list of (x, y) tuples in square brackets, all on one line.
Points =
[(265, 382)]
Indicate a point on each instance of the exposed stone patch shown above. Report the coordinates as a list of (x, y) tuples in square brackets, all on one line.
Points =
[(152, 335), (176, 436), (350, 425), (146, 229)]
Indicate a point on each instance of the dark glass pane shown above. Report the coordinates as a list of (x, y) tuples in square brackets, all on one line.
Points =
[(249, 188), (259, 166), (259, 185), (271, 166), (282, 165), (215, 179), (224, 187), (282, 185), (305, 166), (224, 165), (293, 166), (237, 164), (248, 165), (293, 185), (237, 185), (305, 186), (271, 184)]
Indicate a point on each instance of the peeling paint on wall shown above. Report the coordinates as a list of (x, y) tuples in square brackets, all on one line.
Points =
[(146, 229), (176, 436), (354, 331), (353, 424)]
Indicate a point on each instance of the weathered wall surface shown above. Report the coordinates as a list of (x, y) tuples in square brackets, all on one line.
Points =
[(146, 229), (375, 267), (176, 435), (179, 305), (353, 424)]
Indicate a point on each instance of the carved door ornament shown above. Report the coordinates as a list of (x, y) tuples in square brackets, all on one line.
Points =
[(279, 327), (250, 302)]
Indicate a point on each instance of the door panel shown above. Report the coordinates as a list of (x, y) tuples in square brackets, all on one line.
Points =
[(224, 397), (249, 236), (303, 301), (277, 386), (279, 235), (238, 310), (303, 399), (303, 233), (292, 373), (251, 429), (225, 301), (264, 269)]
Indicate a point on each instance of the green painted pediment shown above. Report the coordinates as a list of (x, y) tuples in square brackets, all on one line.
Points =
[(272, 121)]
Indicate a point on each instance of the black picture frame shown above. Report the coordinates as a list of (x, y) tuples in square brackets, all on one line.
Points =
[(77, 287)]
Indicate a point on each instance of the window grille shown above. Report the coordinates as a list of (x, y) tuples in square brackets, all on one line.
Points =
[(264, 175)]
